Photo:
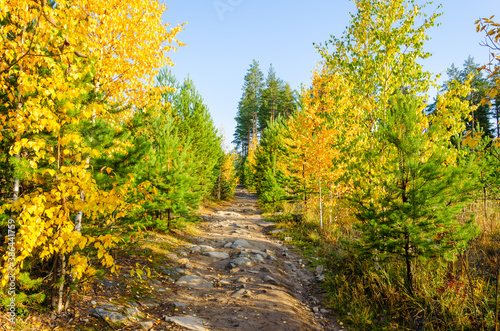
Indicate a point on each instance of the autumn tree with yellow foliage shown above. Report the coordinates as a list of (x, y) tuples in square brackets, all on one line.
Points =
[(61, 66)]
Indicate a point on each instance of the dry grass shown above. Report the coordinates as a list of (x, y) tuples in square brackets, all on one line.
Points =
[(459, 295)]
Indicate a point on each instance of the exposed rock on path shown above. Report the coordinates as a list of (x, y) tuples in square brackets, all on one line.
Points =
[(243, 279)]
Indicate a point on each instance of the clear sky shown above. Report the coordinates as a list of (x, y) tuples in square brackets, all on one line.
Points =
[(223, 36)]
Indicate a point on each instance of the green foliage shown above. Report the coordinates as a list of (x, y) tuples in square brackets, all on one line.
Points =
[(272, 194), (412, 211), (28, 294), (480, 118)]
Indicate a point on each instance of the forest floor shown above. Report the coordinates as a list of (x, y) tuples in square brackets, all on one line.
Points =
[(232, 275)]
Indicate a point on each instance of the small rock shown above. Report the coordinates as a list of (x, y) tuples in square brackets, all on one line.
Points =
[(225, 281), (202, 248), (93, 303), (269, 279), (111, 316), (217, 255), (266, 223), (228, 245), (146, 325), (320, 277), (150, 303), (324, 311), (241, 280), (271, 257), (241, 261), (241, 243), (269, 252), (241, 292), (180, 271), (265, 269), (194, 282), (278, 231), (288, 239), (258, 258), (189, 322), (319, 269), (185, 254), (227, 213), (243, 253), (133, 312), (254, 251), (315, 310), (188, 266), (179, 305)]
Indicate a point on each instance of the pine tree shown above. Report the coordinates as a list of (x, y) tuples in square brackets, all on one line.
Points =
[(168, 168), (193, 119), (413, 213), (271, 99), (270, 181), (248, 108)]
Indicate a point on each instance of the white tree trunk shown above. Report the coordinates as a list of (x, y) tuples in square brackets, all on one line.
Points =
[(320, 205)]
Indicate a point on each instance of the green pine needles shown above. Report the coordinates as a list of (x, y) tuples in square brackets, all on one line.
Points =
[(411, 213)]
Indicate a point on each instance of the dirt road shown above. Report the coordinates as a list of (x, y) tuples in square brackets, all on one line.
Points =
[(240, 278)]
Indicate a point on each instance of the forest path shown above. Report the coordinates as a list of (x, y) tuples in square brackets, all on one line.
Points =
[(239, 278)]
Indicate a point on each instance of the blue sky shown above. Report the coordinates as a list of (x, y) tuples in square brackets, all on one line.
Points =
[(223, 36)]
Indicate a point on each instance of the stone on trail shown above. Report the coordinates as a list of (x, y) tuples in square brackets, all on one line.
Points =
[(258, 257), (254, 251), (188, 322), (278, 231), (133, 312), (179, 305), (269, 279), (240, 243), (241, 261), (241, 292), (146, 325), (109, 314), (194, 282), (202, 248), (271, 257), (228, 245), (266, 223), (227, 213), (217, 255)]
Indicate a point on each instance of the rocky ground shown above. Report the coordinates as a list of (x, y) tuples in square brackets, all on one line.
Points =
[(234, 276)]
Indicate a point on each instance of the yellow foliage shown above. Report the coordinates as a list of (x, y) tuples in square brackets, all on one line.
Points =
[(57, 55)]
